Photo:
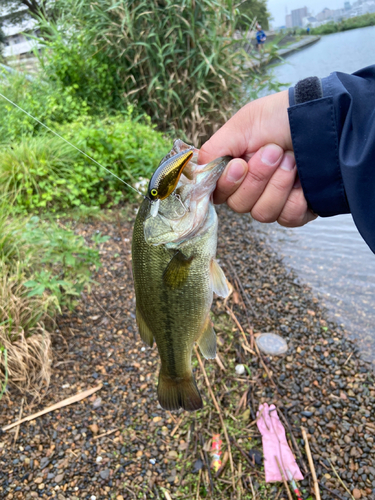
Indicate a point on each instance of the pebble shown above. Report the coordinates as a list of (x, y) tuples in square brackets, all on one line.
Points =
[(240, 369)]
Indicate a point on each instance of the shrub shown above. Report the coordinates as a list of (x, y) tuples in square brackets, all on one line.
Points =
[(43, 268), (44, 172), (49, 102), (174, 60)]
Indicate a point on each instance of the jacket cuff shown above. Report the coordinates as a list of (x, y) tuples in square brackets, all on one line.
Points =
[(315, 143)]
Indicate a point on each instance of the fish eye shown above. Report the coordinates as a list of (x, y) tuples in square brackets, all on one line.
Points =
[(154, 192)]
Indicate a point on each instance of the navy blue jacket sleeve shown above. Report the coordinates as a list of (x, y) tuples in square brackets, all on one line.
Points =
[(334, 144)]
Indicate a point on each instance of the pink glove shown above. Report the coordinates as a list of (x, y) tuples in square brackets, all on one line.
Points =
[(275, 444)]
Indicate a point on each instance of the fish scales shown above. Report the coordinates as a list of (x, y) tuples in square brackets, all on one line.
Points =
[(174, 291)]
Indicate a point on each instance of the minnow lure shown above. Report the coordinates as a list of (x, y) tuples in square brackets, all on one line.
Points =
[(166, 176)]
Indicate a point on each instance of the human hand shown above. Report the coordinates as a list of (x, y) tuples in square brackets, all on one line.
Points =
[(262, 179)]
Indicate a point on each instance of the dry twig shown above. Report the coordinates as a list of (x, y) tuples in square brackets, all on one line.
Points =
[(339, 478), (57, 406), (283, 478), (311, 463), (220, 415)]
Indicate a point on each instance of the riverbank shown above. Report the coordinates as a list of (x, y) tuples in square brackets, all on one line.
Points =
[(119, 444), (263, 59)]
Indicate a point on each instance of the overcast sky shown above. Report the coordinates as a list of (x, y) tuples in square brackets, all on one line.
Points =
[(278, 8)]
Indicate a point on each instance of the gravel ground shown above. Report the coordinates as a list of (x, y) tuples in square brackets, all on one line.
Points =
[(118, 443)]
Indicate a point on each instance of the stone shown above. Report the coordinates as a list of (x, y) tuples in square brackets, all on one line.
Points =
[(356, 494), (59, 478)]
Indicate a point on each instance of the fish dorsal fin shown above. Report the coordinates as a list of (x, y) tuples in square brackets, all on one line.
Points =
[(177, 271), (207, 340), (144, 331), (219, 281)]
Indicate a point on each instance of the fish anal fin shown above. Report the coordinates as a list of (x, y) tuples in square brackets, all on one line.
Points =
[(219, 281), (177, 271), (207, 340), (179, 393), (144, 331)]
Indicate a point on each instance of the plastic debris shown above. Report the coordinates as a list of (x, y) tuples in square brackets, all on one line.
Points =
[(272, 344), (275, 445), (216, 451)]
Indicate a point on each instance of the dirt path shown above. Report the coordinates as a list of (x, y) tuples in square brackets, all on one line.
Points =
[(321, 384)]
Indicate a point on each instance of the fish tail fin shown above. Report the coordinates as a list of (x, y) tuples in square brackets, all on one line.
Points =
[(182, 393)]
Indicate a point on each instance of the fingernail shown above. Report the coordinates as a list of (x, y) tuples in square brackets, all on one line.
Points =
[(236, 171), (288, 162), (271, 154)]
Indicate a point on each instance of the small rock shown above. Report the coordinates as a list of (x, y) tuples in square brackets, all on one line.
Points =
[(356, 494), (94, 428), (59, 478), (240, 369), (38, 480), (97, 403), (98, 459), (104, 474), (197, 466)]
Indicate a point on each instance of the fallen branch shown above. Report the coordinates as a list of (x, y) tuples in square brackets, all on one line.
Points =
[(220, 416), (311, 463), (57, 406)]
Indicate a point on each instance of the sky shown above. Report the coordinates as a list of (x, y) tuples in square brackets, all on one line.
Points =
[(278, 7)]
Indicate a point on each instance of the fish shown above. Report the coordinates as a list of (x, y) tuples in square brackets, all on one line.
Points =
[(175, 274)]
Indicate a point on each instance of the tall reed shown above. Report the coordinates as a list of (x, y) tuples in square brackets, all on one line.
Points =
[(176, 60)]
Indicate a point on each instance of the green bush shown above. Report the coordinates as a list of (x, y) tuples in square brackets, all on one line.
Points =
[(48, 259), (346, 24), (176, 61), (49, 102), (43, 172)]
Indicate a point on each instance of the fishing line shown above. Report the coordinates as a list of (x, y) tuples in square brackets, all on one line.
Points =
[(70, 144)]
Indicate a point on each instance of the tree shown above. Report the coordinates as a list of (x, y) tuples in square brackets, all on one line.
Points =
[(252, 9)]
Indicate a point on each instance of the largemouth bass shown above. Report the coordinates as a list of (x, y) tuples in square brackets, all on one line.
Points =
[(175, 275)]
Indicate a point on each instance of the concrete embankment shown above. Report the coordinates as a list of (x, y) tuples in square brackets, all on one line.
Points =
[(267, 58)]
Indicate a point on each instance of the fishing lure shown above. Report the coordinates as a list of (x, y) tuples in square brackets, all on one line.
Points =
[(166, 176)]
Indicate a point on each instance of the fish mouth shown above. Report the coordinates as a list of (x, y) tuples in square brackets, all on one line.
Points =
[(183, 214)]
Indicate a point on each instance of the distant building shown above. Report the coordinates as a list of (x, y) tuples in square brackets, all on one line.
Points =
[(288, 21), (297, 16), (16, 43), (325, 15), (310, 21), (347, 6)]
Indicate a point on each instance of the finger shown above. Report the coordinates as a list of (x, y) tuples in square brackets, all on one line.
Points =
[(230, 180), (296, 212), (261, 168), (272, 201)]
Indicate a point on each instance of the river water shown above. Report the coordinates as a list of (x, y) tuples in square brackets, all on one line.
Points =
[(329, 254)]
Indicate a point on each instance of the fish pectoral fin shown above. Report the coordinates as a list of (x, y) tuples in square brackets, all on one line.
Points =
[(207, 340), (177, 271), (144, 331), (219, 281)]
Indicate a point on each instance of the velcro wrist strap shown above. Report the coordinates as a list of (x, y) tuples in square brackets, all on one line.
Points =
[(308, 89)]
